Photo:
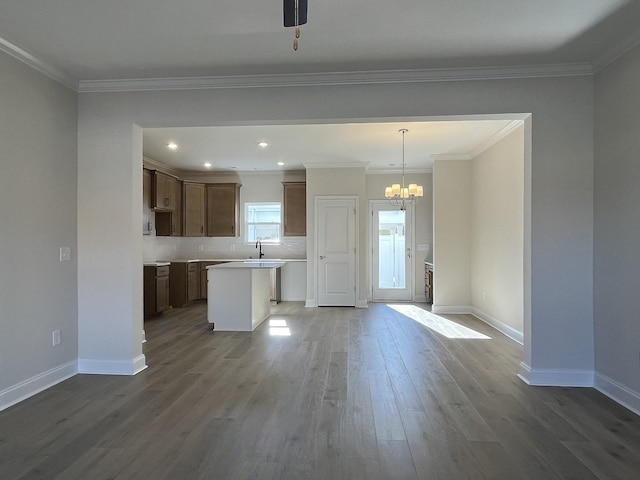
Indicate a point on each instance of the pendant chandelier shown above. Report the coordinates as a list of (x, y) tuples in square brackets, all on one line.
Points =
[(295, 14), (399, 195)]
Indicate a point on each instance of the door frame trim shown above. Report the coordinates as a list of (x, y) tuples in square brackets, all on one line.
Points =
[(316, 201)]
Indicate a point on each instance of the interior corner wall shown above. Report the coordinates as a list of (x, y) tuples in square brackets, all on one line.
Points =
[(497, 203), (452, 236), (616, 229), (38, 292)]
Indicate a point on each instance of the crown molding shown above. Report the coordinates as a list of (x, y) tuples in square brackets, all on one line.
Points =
[(310, 166), (397, 171), (450, 157), (616, 51), (335, 78), (37, 64), (491, 141)]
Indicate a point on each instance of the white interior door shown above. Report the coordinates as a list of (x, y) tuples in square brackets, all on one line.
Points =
[(391, 261), (336, 247)]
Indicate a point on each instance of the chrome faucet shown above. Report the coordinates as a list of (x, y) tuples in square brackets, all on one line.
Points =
[(259, 245)]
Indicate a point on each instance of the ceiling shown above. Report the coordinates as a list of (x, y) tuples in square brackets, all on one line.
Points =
[(124, 39), (83, 41), (376, 146)]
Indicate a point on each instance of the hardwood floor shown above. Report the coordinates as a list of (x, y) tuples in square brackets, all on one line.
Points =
[(349, 394)]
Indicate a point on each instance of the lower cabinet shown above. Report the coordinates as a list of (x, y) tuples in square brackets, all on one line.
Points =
[(185, 283), (203, 278), (156, 290)]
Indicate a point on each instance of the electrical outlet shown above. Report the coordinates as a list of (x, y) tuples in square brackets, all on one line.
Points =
[(201, 247), (65, 254), (233, 247), (55, 337), (484, 295)]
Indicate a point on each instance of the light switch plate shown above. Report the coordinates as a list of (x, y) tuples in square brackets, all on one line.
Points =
[(65, 254)]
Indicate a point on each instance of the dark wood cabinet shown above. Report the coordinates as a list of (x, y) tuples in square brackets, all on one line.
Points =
[(146, 202), (194, 209), (428, 281), (156, 290), (185, 283), (164, 191), (294, 209), (169, 223), (223, 209)]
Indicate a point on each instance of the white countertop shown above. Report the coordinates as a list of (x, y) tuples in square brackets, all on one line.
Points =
[(239, 260), (157, 264), (249, 264)]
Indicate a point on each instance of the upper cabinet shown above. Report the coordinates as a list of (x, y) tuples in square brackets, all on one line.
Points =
[(164, 191), (194, 209), (169, 223), (146, 202), (223, 210), (295, 209)]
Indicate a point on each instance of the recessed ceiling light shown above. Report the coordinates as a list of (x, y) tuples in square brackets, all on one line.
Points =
[(263, 144), (280, 164), (207, 165), (172, 146)]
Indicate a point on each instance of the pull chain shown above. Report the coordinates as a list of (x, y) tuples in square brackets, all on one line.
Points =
[(297, 19)]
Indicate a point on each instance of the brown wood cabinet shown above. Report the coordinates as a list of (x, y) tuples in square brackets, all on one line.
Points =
[(185, 283), (223, 209), (169, 223), (295, 209), (428, 281), (146, 202), (194, 209), (164, 191), (156, 290)]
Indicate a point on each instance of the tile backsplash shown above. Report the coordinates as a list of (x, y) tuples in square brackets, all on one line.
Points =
[(173, 248)]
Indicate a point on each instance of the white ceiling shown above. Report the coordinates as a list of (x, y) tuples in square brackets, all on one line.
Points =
[(377, 146), (98, 39), (80, 41)]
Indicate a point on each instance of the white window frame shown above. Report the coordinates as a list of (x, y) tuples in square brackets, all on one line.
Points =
[(246, 222)]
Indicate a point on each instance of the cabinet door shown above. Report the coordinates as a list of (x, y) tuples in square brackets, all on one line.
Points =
[(146, 202), (194, 207), (192, 285), (176, 202), (295, 209), (223, 209), (162, 190), (162, 293)]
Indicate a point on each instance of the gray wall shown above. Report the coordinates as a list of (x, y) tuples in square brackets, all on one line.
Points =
[(38, 293), (617, 227)]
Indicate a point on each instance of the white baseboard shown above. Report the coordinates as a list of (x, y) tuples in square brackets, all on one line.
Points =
[(362, 303), (451, 309), (112, 367), (507, 330), (552, 377), (310, 303), (419, 299), (36, 384), (618, 392)]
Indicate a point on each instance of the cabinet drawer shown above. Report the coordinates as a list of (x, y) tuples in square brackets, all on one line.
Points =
[(162, 271), (192, 267)]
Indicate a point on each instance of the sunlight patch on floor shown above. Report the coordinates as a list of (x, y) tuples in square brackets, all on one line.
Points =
[(437, 323), (279, 328)]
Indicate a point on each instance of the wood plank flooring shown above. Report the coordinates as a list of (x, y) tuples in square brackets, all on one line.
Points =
[(349, 394)]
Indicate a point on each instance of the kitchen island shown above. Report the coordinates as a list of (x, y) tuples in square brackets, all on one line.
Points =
[(239, 294)]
